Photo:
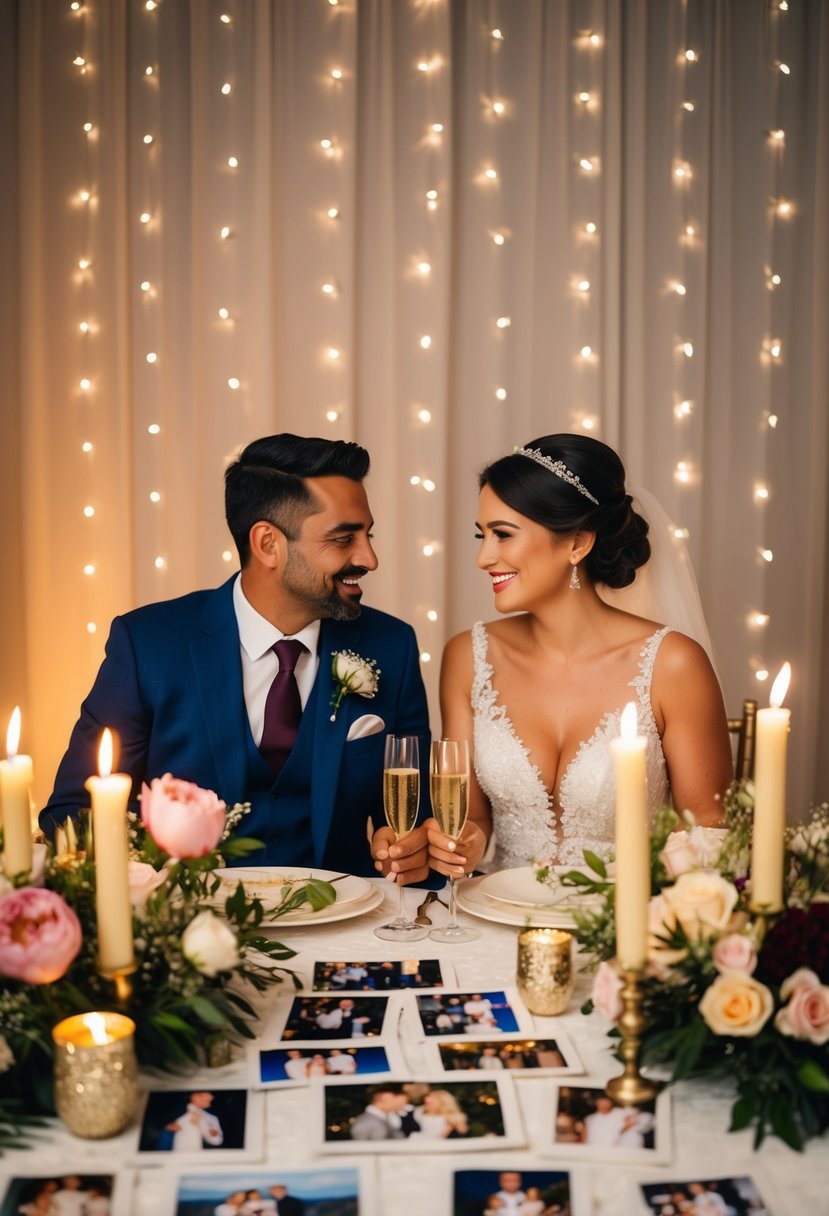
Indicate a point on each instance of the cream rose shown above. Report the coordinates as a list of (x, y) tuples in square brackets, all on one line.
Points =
[(702, 903), (661, 924), (210, 944), (143, 879), (735, 953), (807, 1014), (736, 1005)]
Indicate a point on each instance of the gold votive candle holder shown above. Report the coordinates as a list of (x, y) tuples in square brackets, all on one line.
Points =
[(96, 1075), (545, 970)]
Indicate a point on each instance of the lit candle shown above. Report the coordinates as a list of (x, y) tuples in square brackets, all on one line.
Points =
[(96, 1076), (770, 798), (110, 794), (15, 799), (633, 886)]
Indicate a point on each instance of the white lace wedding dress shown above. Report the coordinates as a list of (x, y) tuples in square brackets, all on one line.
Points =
[(526, 823)]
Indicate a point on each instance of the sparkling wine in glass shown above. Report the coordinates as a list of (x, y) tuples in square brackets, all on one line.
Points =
[(401, 796), (449, 788)]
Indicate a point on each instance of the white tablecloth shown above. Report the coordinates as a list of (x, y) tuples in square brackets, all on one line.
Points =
[(798, 1184)]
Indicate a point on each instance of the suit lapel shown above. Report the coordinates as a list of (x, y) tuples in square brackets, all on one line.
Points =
[(329, 737), (214, 651)]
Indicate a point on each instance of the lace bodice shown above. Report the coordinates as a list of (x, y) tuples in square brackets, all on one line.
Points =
[(526, 822)]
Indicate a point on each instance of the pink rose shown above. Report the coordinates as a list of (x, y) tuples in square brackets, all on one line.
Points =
[(678, 854), (735, 953), (39, 935), (607, 989), (807, 1014), (183, 819)]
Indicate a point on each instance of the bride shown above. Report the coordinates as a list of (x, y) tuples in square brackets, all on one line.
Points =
[(540, 691)]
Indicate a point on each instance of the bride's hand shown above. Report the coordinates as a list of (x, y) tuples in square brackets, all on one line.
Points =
[(454, 858)]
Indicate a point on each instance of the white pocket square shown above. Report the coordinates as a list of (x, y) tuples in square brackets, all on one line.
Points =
[(369, 724)]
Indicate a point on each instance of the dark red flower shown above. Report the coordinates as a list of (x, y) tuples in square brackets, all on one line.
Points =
[(800, 938)]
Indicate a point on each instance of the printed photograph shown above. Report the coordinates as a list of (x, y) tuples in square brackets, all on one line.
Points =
[(310, 1018), (589, 1123), (536, 1056), (467, 1013), (207, 1124), (63, 1195), (272, 1192), (511, 1192), (380, 976), (705, 1197), (419, 1116), (274, 1066)]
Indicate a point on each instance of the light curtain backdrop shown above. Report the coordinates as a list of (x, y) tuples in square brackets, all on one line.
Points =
[(438, 227)]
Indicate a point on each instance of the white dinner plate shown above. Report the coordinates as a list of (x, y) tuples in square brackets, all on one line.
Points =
[(272, 884), (304, 916), (471, 899), (519, 887)]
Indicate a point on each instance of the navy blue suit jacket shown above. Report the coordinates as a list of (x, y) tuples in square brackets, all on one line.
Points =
[(171, 686)]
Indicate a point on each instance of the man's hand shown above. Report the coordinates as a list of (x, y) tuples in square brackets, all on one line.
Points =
[(454, 858), (401, 861)]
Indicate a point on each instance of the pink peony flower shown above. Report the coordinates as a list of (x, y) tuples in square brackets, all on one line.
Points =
[(807, 1014), (39, 935), (183, 819), (607, 990), (736, 953)]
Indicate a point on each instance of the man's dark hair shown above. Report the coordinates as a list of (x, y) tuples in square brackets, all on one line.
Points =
[(267, 481)]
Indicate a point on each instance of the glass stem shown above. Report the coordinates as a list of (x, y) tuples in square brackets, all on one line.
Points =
[(401, 910), (453, 918)]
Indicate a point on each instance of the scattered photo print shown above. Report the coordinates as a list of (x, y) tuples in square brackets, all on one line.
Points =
[(525, 1192), (291, 1066), (419, 1116), (382, 975), (205, 1124), (536, 1057), (588, 1123), (66, 1194), (705, 1197), (263, 1192), (468, 1013), (310, 1019)]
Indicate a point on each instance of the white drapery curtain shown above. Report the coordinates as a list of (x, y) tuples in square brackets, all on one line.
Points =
[(532, 216)]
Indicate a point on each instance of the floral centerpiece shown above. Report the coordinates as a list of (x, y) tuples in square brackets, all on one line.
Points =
[(200, 949), (727, 991)]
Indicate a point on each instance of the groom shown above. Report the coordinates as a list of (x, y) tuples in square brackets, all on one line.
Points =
[(232, 688)]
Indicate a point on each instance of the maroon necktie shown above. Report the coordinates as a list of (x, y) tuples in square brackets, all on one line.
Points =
[(283, 708)]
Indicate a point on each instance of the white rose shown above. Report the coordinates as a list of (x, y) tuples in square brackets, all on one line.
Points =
[(210, 944), (6, 1055), (143, 879), (358, 674), (702, 902)]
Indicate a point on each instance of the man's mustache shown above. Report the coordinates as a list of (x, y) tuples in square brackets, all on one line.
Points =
[(353, 572)]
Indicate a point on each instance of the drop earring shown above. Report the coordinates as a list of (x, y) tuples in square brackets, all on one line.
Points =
[(575, 581)]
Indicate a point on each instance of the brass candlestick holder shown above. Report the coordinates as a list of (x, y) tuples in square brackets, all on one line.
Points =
[(120, 978), (631, 1088)]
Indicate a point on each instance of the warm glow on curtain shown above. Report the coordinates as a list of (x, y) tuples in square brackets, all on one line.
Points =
[(439, 227)]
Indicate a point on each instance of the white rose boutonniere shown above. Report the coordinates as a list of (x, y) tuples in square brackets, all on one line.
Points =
[(352, 673)]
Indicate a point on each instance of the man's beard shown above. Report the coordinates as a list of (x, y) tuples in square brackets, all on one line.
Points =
[(304, 583)]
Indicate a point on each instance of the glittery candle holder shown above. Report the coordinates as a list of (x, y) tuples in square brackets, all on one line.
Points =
[(545, 970), (96, 1076)]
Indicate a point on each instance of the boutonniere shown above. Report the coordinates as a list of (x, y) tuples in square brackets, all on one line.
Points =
[(352, 673)]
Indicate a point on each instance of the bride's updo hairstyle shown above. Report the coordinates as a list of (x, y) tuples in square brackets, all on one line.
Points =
[(564, 504)]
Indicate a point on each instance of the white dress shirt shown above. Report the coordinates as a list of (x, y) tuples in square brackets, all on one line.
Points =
[(260, 664)]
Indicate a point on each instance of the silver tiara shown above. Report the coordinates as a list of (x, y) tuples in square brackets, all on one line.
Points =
[(556, 466)]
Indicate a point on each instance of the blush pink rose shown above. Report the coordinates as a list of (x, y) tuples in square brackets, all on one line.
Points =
[(807, 1014), (736, 953), (143, 879), (607, 989), (39, 935), (183, 819)]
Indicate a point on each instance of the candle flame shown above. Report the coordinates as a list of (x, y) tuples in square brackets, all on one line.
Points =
[(780, 686), (628, 723), (13, 733), (97, 1027), (105, 753)]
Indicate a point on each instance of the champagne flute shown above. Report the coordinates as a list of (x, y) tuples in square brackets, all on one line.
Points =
[(449, 787), (401, 795)]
